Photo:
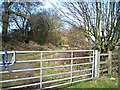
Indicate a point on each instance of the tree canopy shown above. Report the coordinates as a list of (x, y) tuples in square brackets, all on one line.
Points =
[(99, 19)]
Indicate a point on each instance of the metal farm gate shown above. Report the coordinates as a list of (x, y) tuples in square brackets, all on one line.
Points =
[(46, 69)]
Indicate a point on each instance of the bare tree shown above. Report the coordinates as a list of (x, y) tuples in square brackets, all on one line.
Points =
[(98, 19), (5, 18), (17, 12)]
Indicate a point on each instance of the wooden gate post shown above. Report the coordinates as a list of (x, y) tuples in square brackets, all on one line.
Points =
[(109, 62)]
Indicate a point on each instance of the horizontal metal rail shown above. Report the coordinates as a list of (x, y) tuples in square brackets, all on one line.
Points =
[(62, 66), (104, 54), (23, 70), (28, 61), (22, 52), (56, 80), (20, 79), (57, 59), (67, 83), (54, 51), (82, 70), (17, 71), (51, 75), (46, 81), (65, 73), (25, 61), (65, 78), (81, 75), (45, 87), (10, 52), (82, 64), (21, 86)]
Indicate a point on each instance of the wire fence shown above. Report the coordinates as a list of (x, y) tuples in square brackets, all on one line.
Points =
[(108, 62)]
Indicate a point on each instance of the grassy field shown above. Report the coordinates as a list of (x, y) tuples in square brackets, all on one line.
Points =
[(106, 81)]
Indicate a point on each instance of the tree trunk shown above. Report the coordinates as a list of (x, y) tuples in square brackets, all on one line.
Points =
[(5, 18)]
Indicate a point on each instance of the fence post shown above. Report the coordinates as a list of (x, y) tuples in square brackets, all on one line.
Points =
[(93, 64), (97, 63), (71, 67), (109, 62), (41, 70), (14, 57), (119, 65)]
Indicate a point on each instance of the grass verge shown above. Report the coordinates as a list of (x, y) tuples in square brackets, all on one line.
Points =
[(107, 81)]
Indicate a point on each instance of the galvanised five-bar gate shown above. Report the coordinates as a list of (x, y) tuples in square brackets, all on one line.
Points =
[(76, 68)]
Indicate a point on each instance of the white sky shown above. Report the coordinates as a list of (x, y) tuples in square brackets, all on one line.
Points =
[(48, 3), (0, 29)]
